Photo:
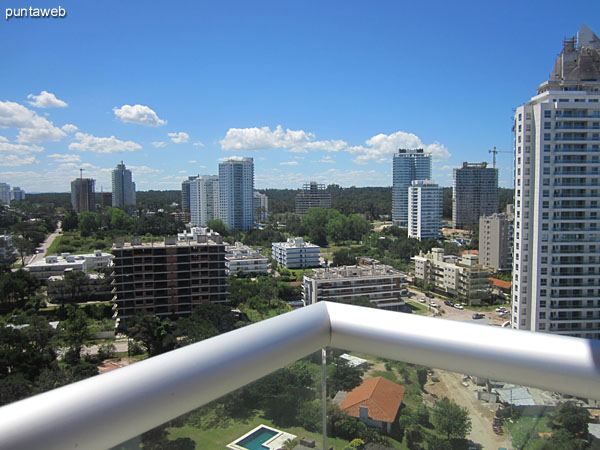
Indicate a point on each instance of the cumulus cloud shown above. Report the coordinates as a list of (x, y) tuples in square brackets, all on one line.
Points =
[(17, 160), (263, 138), (46, 100), (18, 149), (232, 158), (381, 146), (69, 128), (64, 157), (289, 163), (198, 144), (139, 114), (102, 144), (32, 127), (328, 146), (144, 169), (179, 138), (159, 144), (327, 160), (192, 161)]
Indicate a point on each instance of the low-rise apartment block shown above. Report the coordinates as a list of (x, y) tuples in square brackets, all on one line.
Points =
[(296, 254), (458, 276), (382, 285), (242, 259), (168, 278), (57, 265)]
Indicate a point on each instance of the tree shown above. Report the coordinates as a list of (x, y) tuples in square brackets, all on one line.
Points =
[(71, 288), (74, 332), (451, 419), (422, 376), (154, 334), (572, 418), (70, 222), (343, 257), (218, 226), (343, 377), (88, 223)]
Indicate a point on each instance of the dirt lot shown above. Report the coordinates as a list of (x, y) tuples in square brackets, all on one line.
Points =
[(450, 383)]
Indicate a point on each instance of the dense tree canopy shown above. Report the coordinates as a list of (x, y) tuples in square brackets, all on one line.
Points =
[(450, 419)]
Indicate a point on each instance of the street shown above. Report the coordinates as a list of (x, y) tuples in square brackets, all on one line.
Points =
[(44, 247)]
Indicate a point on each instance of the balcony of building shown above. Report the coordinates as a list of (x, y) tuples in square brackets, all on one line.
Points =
[(117, 407)]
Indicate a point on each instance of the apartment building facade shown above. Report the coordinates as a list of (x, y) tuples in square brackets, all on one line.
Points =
[(123, 187), (204, 200), (296, 254), (54, 265), (458, 276), (408, 166), (236, 193), (242, 259), (168, 278), (383, 285), (496, 234), (83, 195), (474, 194), (424, 210), (261, 206), (312, 195), (556, 269)]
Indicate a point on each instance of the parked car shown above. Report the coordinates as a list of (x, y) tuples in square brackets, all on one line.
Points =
[(434, 305), (501, 309), (459, 306), (448, 303), (504, 313), (478, 316), (423, 300)]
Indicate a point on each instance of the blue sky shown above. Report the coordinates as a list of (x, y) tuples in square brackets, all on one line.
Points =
[(312, 90)]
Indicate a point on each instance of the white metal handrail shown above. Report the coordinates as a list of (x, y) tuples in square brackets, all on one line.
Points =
[(108, 409)]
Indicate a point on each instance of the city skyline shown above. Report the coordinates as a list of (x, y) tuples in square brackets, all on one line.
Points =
[(311, 92)]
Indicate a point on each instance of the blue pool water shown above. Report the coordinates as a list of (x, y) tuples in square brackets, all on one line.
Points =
[(256, 439)]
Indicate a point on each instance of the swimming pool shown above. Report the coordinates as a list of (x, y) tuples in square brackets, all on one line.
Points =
[(256, 439), (262, 437)]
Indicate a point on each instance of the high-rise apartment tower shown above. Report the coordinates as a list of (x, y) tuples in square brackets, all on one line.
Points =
[(236, 193), (123, 187), (409, 166), (204, 199), (474, 194), (83, 194), (312, 195), (556, 269)]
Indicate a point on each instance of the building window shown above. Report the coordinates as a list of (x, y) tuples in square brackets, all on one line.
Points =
[(547, 114)]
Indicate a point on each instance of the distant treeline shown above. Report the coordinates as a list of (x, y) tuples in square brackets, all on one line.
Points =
[(375, 202)]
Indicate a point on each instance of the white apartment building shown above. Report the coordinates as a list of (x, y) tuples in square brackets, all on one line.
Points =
[(261, 207), (236, 193), (424, 210), (408, 166), (240, 258), (382, 285), (57, 265), (556, 269), (17, 194), (204, 199), (4, 193), (496, 240), (123, 187), (296, 254), (459, 276)]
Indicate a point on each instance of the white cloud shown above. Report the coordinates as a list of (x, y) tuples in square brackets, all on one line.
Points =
[(381, 146), (3, 139), (263, 138), (289, 163), (328, 146), (327, 160), (19, 149), (139, 114), (232, 158), (46, 100), (32, 127), (64, 157), (198, 144), (179, 138), (192, 161), (102, 144), (69, 128), (17, 160), (144, 169), (159, 144)]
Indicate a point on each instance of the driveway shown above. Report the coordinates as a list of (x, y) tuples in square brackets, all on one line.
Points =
[(44, 247)]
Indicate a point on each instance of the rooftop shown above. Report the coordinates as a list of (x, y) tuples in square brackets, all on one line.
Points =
[(381, 396)]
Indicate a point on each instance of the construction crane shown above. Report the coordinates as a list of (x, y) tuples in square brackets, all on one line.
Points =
[(495, 152)]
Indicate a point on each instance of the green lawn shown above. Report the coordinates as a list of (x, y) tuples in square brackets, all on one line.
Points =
[(418, 308), (219, 436), (72, 242)]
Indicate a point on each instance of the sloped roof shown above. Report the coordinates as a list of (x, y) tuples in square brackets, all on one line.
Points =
[(381, 396), (500, 283)]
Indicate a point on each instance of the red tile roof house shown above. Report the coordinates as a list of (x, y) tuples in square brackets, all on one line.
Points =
[(375, 402)]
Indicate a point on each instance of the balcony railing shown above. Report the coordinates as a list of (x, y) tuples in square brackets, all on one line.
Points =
[(108, 409)]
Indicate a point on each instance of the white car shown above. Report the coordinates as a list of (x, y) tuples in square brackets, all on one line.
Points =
[(422, 300), (433, 305), (459, 306), (500, 309)]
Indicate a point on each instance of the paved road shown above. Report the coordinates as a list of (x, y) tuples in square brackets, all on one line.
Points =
[(44, 247)]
